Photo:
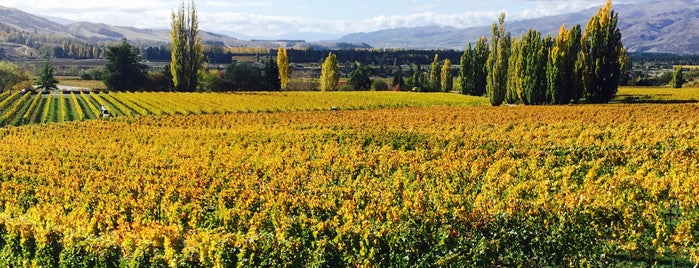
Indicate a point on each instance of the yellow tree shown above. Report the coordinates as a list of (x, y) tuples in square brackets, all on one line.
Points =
[(329, 78), (447, 77), (283, 65), (435, 75), (497, 63)]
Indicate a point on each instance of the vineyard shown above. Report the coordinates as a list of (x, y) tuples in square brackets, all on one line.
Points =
[(579, 185), (19, 109)]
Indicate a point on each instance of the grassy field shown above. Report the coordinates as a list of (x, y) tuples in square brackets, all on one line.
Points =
[(657, 95), (389, 180), (74, 81)]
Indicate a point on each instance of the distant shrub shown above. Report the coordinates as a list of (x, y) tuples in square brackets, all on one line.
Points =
[(379, 85)]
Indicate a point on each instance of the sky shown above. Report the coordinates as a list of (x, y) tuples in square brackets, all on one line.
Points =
[(311, 20)]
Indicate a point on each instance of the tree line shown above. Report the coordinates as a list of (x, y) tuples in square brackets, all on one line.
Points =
[(535, 70)]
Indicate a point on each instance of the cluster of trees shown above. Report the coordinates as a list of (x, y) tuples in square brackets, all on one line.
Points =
[(374, 56), (534, 70), (13, 77), (359, 77), (55, 45)]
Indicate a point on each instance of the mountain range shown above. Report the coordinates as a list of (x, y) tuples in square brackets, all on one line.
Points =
[(661, 26), (12, 19)]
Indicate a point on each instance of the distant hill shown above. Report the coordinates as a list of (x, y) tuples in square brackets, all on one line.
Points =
[(12, 19), (660, 26)]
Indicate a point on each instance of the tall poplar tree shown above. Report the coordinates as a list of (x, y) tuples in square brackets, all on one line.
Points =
[(329, 78), (480, 72), (557, 91), (515, 73), (447, 77), (467, 72), (601, 56), (187, 56), (574, 64), (496, 87), (435, 74), (283, 65), (535, 52)]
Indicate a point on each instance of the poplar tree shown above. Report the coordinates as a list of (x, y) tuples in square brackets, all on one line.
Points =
[(535, 51), (601, 56), (283, 65), (187, 56), (558, 92), (564, 82), (480, 73), (467, 72), (574, 64), (496, 87), (447, 78), (515, 73), (329, 78), (435, 74)]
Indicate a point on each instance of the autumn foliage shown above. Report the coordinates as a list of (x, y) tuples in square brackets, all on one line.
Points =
[(488, 186)]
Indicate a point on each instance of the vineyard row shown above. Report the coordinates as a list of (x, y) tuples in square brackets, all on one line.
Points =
[(20, 109)]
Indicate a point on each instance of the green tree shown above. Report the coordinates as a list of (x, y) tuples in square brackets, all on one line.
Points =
[(601, 56), (515, 73), (677, 78), (360, 78), (480, 73), (329, 77), (416, 81), (574, 64), (124, 70), (467, 72), (272, 75), (46, 80), (398, 80), (168, 84), (496, 87), (447, 77), (283, 66), (435, 75), (535, 51), (187, 56), (246, 77)]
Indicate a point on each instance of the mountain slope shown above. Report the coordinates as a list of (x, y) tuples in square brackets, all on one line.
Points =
[(12, 18), (662, 26)]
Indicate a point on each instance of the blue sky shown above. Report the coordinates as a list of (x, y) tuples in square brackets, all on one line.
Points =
[(302, 19)]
